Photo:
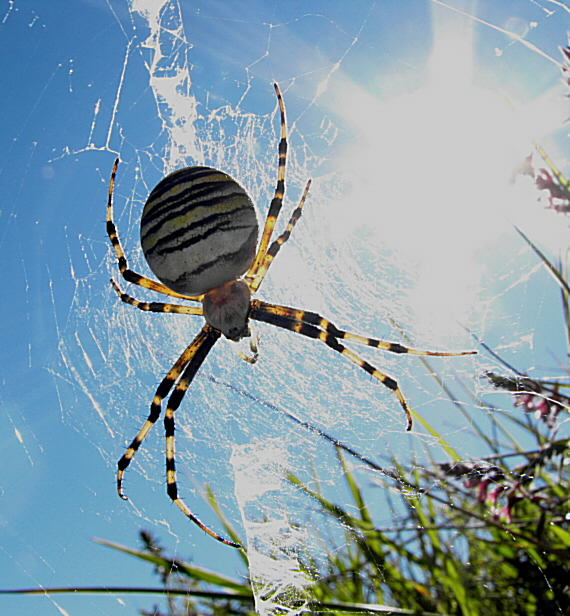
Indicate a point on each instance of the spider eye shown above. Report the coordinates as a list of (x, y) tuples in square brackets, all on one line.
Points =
[(198, 230)]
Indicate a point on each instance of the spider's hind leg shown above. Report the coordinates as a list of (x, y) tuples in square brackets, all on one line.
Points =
[(276, 245), (128, 274), (155, 306), (277, 201)]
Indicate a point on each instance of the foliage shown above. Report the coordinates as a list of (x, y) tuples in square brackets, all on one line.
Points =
[(490, 536), (487, 537)]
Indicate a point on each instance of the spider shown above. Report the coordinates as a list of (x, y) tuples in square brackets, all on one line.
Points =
[(199, 236)]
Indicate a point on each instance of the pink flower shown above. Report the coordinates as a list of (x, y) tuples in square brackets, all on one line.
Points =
[(482, 490), (495, 493)]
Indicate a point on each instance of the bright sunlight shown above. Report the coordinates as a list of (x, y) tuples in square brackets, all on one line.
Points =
[(435, 179)]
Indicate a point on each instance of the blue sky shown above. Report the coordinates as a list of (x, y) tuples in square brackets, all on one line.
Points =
[(397, 111)]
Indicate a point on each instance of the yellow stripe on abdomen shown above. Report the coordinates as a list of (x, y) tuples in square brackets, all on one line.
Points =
[(198, 230)]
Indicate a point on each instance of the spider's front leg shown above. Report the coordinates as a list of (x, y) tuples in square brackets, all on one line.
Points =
[(253, 340), (187, 365), (162, 391), (201, 346), (314, 326)]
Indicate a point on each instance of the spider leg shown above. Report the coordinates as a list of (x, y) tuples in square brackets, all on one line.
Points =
[(127, 273), (187, 365), (312, 318), (276, 245), (253, 347), (155, 306), (200, 348), (277, 201), (162, 391), (312, 331)]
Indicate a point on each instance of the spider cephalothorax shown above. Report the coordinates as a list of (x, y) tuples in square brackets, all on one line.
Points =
[(199, 235), (226, 309)]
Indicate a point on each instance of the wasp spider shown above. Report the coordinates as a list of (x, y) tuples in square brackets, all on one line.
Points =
[(199, 236)]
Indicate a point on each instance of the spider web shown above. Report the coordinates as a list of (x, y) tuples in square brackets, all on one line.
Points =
[(397, 241)]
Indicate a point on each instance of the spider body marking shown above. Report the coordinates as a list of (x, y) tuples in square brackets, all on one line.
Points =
[(198, 230), (199, 235)]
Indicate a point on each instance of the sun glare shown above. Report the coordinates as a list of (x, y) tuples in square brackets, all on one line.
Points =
[(434, 178)]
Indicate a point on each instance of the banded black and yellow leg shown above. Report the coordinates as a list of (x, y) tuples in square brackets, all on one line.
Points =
[(162, 391), (155, 306), (276, 245), (128, 274), (312, 331), (204, 343), (312, 318), (277, 201)]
